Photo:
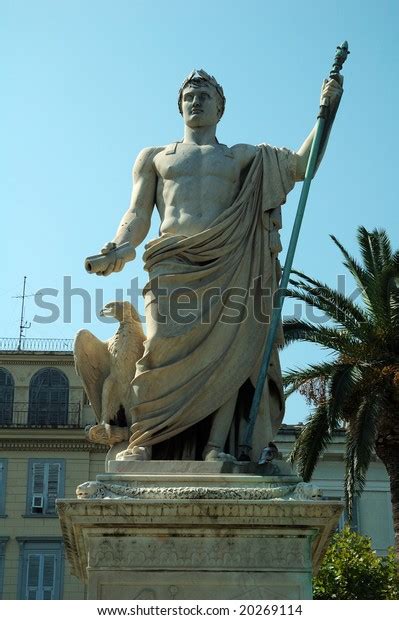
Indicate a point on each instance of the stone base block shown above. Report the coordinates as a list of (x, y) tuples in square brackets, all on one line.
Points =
[(155, 533), (199, 586)]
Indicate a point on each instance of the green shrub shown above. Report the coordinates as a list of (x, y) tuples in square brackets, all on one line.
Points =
[(351, 570)]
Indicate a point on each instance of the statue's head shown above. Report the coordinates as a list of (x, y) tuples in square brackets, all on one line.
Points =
[(200, 79)]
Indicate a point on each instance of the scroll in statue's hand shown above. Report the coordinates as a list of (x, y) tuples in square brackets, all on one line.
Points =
[(111, 260)]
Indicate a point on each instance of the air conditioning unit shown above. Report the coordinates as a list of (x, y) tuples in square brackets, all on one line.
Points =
[(37, 501)]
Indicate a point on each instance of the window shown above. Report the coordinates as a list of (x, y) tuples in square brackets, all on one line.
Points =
[(41, 569), (45, 484), (3, 542), (3, 481), (6, 396), (48, 398)]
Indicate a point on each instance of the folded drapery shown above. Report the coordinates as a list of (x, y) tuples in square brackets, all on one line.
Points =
[(191, 366)]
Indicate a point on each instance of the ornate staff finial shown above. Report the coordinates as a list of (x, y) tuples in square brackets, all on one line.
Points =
[(340, 56)]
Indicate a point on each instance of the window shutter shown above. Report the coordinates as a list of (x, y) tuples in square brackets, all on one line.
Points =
[(46, 484), (41, 577), (33, 576), (54, 470), (38, 478), (49, 565), (37, 495)]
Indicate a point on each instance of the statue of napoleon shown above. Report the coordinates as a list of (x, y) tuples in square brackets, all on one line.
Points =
[(212, 274)]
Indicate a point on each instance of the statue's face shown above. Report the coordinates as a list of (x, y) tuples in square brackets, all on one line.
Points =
[(200, 106)]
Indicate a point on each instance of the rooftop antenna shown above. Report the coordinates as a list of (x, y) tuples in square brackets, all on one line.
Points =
[(22, 323)]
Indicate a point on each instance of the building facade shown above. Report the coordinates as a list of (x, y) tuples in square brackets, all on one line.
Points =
[(44, 455)]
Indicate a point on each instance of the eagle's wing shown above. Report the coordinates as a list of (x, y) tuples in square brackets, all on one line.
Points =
[(92, 363)]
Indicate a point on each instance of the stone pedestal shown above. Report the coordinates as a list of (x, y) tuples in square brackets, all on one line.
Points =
[(192, 530)]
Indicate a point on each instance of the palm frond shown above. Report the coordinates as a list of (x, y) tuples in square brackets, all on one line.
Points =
[(300, 376), (339, 307), (375, 249), (350, 484), (359, 274), (312, 441), (367, 251), (361, 437), (334, 338), (395, 259), (342, 385), (333, 303), (380, 295), (394, 311), (295, 329), (381, 303), (356, 270), (384, 243), (329, 309), (306, 278), (365, 433)]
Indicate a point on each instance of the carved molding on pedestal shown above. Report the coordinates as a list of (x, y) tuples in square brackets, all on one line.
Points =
[(100, 490), (197, 552)]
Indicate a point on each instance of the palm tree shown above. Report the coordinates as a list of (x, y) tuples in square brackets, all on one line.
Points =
[(357, 387)]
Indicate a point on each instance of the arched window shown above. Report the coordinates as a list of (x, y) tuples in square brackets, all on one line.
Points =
[(6, 396), (48, 398)]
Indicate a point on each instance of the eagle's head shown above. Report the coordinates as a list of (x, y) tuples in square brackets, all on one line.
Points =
[(121, 311)]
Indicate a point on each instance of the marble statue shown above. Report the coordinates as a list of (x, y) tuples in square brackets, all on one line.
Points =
[(212, 274), (107, 369)]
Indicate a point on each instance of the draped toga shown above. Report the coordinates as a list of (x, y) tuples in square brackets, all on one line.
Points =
[(208, 307)]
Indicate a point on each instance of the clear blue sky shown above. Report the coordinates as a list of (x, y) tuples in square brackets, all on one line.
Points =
[(87, 84)]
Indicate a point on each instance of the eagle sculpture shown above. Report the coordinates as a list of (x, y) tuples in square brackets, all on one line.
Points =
[(107, 369)]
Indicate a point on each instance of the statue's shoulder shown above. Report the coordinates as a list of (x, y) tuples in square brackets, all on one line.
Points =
[(244, 152), (150, 152), (145, 159)]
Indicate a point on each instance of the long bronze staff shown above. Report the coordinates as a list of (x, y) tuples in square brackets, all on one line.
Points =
[(340, 57)]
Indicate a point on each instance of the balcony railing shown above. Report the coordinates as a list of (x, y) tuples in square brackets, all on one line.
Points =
[(23, 415), (36, 344)]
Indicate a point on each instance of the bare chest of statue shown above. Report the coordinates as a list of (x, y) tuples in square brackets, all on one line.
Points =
[(195, 184)]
